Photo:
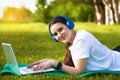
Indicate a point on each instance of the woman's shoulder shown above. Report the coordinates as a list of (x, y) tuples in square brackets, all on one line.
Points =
[(82, 30), (81, 33)]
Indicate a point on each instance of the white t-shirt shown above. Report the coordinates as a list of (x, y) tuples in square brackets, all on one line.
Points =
[(85, 45)]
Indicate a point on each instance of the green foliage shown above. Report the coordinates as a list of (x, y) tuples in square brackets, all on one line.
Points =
[(83, 12), (41, 14), (62, 9), (32, 42), (75, 10)]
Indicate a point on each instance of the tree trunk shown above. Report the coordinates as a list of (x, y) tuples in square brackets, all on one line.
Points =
[(98, 12), (115, 10), (109, 18), (107, 11), (119, 11), (112, 11)]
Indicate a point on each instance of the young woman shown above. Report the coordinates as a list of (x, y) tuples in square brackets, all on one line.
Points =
[(83, 53)]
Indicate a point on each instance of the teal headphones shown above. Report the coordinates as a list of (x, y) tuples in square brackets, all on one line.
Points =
[(69, 24)]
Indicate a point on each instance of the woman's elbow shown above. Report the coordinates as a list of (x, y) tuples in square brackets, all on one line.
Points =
[(77, 73)]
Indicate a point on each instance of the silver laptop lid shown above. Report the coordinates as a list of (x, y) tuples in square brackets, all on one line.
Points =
[(11, 59)]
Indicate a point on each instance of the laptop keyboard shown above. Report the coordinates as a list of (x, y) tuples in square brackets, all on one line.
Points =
[(25, 70)]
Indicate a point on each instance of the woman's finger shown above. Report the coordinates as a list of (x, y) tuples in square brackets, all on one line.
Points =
[(33, 64), (37, 63)]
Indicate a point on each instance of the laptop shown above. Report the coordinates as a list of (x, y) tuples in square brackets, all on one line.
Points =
[(11, 60)]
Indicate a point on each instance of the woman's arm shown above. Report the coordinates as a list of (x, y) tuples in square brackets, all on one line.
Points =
[(79, 68)]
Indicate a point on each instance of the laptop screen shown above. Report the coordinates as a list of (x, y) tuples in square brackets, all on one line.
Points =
[(11, 59)]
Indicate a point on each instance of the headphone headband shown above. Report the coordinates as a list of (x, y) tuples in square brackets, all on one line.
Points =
[(69, 23)]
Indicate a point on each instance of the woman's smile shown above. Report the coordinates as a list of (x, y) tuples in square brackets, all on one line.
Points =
[(63, 37)]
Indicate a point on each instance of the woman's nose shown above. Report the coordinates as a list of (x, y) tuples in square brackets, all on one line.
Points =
[(59, 35)]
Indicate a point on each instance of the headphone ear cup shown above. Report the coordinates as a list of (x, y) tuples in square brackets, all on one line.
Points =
[(69, 23), (55, 39)]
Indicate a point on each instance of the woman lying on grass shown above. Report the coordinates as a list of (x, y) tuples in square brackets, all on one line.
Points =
[(84, 52)]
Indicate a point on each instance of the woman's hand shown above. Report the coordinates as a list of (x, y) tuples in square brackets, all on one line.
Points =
[(43, 64)]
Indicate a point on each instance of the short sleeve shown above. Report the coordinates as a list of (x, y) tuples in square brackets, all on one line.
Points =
[(81, 50)]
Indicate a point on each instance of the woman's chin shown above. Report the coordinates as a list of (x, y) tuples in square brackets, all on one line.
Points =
[(65, 41)]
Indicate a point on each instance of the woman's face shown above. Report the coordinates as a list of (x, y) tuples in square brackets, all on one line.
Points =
[(61, 32)]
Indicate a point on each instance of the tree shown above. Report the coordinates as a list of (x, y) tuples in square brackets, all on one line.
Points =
[(76, 10), (99, 11), (105, 11), (109, 12), (12, 14), (41, 14)]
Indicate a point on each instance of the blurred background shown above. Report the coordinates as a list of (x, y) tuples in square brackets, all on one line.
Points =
[(98, 11)]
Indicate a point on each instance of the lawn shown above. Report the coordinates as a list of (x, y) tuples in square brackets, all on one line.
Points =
[(31, 42)]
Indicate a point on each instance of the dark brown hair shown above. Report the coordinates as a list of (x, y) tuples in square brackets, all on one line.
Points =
[(67, 59)]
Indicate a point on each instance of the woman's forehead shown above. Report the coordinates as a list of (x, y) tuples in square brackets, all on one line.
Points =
[(56, 26)]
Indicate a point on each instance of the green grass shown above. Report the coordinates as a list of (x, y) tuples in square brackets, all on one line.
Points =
[(31, 42)]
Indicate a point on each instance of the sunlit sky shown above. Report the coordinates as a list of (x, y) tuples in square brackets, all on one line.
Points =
[(30, 4)]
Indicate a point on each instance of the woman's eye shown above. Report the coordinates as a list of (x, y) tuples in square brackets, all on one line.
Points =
[(60, 29), (55, 34)]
